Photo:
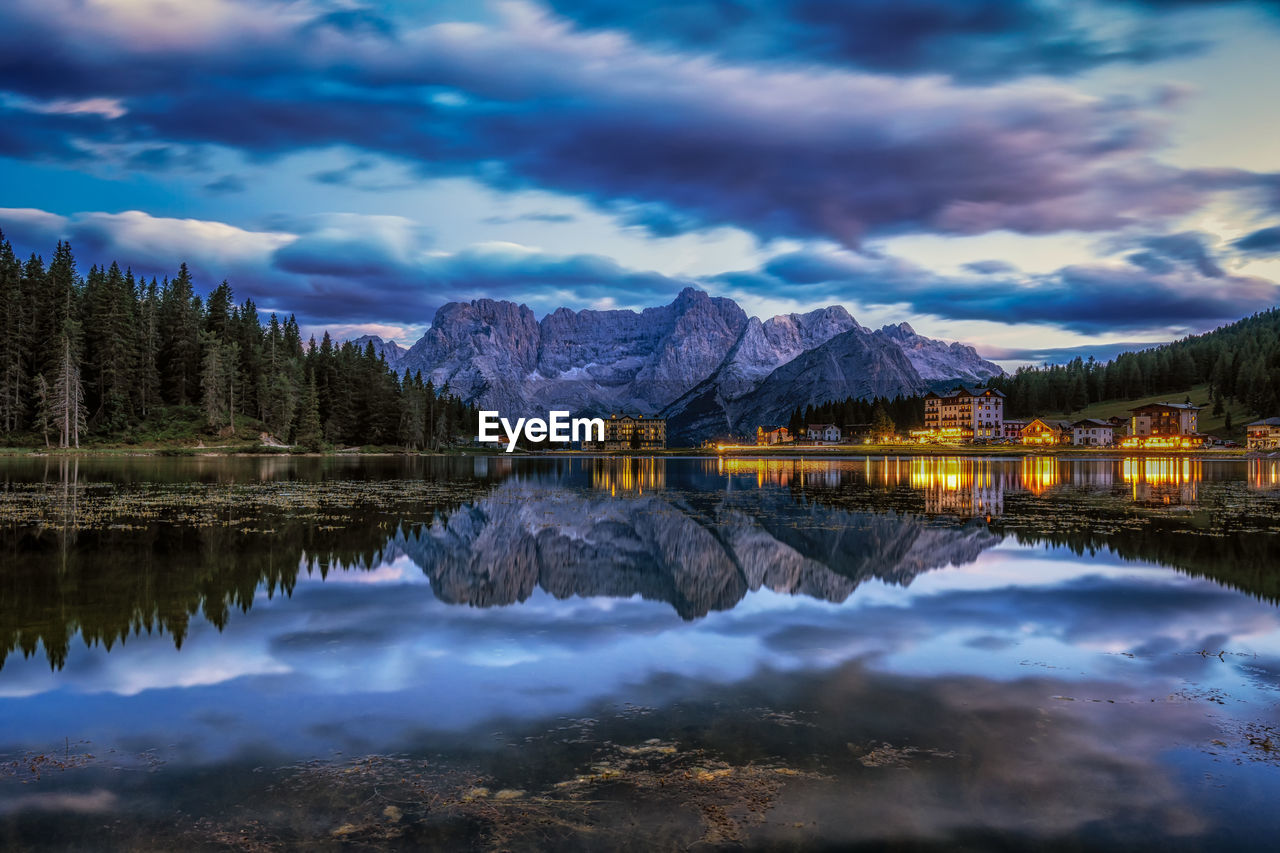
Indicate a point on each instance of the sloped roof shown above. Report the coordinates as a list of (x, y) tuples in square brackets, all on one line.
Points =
[(1188, 406)]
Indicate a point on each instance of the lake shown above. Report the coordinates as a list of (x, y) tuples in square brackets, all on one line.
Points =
[(640, 653)]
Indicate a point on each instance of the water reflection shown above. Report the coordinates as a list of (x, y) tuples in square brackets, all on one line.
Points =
[(928, 651), (1163, 480), (976, 487), (90, 554), (1264, 474), (628, 476)]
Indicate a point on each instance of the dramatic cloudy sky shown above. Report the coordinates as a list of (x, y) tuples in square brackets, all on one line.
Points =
[(1035, 178)]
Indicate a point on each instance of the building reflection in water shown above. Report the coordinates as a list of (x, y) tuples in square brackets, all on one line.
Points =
[(623, 475), (794, 472), (964, 487), (1264, 474), (1163, 479), (976, 486), (1040, 473), (1094, 473)]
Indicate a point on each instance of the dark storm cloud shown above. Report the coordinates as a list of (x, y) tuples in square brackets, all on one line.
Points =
[(1264, 241), (1188, 247), (1175, 282), (968, 39), (668, 142)]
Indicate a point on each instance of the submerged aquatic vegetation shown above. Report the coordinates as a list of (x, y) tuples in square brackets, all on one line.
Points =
[(690, 795), (104, 506)]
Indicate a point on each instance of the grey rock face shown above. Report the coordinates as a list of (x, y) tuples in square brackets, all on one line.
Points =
[(700, 361), (766, 346), (855, 363), (709, 407), (623, 359), (482, 349), (938, 360)]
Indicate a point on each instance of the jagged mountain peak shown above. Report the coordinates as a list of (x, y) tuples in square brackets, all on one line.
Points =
[(937, 360), (899, 331), (390, 351), (699, 358)]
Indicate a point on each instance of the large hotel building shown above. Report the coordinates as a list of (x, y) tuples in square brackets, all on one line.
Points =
[(965, 414), (631, 432)]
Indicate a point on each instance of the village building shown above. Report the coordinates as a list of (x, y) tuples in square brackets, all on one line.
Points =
[(1092, 432), (822, 434), (1263, 434), (1041, 432), (962, 415), (631, 432), (770, 435), (857, 433), (1163, 425), (1013, 429)]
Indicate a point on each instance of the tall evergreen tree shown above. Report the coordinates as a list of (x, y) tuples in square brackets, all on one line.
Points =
[(310, 436), (68, 398)]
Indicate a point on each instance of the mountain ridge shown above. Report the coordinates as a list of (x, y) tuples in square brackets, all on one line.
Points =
[(700, 360)]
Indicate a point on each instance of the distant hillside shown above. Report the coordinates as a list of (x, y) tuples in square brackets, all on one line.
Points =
[(1233, 369), (1229, 423)]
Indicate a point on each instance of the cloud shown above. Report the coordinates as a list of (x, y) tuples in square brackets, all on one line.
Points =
[(537, 216), (1175, 283), (990, 267), (333, 269), (363, 248), (226, 184), (336, 269), (966, 39), (1062, 355), (1188, 247), (668, 141), (1264, 241)]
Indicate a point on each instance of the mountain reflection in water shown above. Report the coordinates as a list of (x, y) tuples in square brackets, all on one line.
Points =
[(630, 653), (91, 549)]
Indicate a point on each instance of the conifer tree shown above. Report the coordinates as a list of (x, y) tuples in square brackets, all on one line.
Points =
[(68, 398), (13, 333), (179, 336), (310, 436), (44, 415), (881, 423), (213, 392)]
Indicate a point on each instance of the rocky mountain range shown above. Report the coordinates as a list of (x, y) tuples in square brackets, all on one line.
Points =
[(700, 361)]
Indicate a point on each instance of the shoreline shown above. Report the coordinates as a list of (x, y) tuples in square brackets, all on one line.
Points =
[(745, 452)]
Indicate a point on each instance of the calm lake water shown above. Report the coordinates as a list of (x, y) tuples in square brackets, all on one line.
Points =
[(612, 653)]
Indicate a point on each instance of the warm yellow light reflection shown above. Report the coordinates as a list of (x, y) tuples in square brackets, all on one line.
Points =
[(1040, 473), (1264, 473), (1163, 479), (628, 475), (958, 485)]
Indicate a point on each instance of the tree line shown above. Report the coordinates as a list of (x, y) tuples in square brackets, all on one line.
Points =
[(1240, 362), (884, 416), (108, 354)]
